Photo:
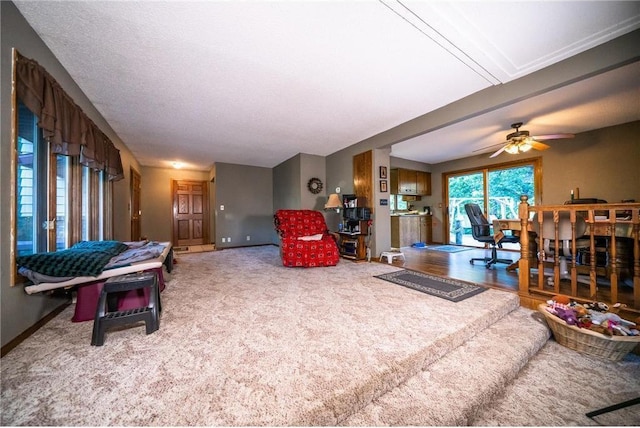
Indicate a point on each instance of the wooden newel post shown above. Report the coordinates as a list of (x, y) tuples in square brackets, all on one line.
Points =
[(523, 264)]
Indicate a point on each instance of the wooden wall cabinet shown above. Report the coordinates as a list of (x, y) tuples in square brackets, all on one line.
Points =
[(423, 183), (410, 182), (363, 177), (407, 184), (393, 181)]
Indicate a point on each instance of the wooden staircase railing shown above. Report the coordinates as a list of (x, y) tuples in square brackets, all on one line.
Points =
[(618, 225)]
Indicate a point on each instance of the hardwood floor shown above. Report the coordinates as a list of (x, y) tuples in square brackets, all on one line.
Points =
[(456, 265)]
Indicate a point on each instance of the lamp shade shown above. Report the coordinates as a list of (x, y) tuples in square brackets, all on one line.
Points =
[(333, 202)]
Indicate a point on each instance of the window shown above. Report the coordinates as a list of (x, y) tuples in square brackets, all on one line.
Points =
[(93, 203), (47, 199), (497, 189), (64, 167), (31, 201), (63, 201), (397, 204), (86, 176)]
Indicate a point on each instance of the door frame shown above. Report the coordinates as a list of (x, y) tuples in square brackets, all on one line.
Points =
[(134, 201), (205, 210)]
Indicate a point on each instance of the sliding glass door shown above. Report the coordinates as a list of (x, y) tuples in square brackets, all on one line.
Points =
[(496, 189), (463, 189)]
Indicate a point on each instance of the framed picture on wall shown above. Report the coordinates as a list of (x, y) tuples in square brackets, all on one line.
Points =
[(383, 185), (383, 172)]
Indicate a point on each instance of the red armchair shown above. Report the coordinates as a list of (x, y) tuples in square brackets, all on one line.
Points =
[(304, 239)]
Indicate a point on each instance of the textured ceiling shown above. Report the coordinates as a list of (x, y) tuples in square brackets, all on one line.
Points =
[(255, 83)]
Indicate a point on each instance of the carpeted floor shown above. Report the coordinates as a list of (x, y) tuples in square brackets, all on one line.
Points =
[(559, 386), (245, 341)]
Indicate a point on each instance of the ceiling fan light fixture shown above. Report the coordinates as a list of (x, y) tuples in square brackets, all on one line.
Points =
[(521, 141), (512, 149), (525, 146)]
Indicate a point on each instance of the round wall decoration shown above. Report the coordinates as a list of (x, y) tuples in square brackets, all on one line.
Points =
[(314, 185)]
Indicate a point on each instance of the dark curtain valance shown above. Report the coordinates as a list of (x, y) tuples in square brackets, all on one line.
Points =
[(67, 128)]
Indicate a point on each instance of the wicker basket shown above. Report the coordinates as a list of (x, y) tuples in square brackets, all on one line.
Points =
[(587, 341)]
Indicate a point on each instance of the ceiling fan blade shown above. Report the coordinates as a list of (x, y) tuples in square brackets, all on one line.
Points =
[(552, 137), (489, 147), (499, 151), (539, 146)]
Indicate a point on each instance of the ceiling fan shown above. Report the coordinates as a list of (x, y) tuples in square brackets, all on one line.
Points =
[(520, 141)]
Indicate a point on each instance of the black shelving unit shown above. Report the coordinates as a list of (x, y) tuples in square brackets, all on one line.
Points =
[(356, 216)]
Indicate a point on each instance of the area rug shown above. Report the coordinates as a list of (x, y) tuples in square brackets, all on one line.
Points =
[(448, 248), (446, 288)]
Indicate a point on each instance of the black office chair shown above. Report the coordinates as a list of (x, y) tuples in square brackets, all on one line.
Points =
[(481, 231)]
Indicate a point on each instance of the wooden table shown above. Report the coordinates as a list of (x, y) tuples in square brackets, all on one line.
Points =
[(502, 225), (601, 228), (624, 228)]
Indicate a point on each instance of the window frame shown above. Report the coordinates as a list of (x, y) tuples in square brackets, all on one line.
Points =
[(98, 196), (535, 162)]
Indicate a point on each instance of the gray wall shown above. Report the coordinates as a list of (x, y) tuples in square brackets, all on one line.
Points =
[(157, 200), (313, 166), (286, 184), (290, 190), (18, 310), (247, 195), (290, 180)]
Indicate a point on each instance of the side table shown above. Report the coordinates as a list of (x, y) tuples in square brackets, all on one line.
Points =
[(353, 246)]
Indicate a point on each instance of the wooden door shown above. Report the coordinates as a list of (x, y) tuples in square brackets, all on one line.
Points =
[(190, 213), (136, 229)]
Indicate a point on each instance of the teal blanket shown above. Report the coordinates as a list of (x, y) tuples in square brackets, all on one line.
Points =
[(86, 258)]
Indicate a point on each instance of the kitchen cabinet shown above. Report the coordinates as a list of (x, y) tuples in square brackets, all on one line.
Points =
[(406, 230), (407, 184), (423, 183), (426, 234), (410, 182)]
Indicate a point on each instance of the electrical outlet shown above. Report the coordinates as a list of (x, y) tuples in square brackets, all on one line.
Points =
[(248, 238), (228, 239), (224, 240), (221, 207)]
